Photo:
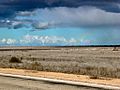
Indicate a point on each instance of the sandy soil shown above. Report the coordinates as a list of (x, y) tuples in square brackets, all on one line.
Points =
[(62, 76)]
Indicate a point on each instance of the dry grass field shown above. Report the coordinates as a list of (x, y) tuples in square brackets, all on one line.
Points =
[(94, 61)]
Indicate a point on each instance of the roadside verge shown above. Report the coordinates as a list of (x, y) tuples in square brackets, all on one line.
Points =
[(62, 81)]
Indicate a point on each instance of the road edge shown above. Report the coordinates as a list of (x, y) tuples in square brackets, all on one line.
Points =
[(92, 85)]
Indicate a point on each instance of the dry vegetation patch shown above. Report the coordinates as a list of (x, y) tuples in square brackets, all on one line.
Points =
[(93, 61), (15, 60)]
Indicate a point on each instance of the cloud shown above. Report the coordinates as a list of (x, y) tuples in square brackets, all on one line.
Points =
[(9, 8), (63, 17), (73, 17), (42, 19), (34, 40), (41, 25), (25, 13), (8, 41), (47, 40), (14, 24)]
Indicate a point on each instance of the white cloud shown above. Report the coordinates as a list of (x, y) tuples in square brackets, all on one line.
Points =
[(11, 41), (25, 13), (8, 41), (52, 40), (44, 40), (27, 39), (41, 25), (81, 16)]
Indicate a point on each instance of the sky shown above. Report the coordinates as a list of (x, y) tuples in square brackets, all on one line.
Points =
[(59, 22)]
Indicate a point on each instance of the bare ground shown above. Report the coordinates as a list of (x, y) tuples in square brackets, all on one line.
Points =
[(61, 76)]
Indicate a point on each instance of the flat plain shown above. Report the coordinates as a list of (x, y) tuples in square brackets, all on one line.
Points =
[(93, 61)]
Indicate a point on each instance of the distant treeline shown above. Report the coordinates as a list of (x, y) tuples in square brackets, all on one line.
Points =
[(91, 46), (15, 48)]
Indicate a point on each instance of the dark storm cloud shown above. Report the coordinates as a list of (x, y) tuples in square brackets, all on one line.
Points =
[(9, 7)]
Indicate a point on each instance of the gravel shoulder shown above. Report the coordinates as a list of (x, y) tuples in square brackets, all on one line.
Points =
[(61, 76), (9, 83)]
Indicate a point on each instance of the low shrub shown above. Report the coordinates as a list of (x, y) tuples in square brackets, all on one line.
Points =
[(94, 77), (36, 66), (115, 49), (15, 60)]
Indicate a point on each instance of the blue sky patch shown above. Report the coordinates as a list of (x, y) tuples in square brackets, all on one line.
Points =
[(59, 22)]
